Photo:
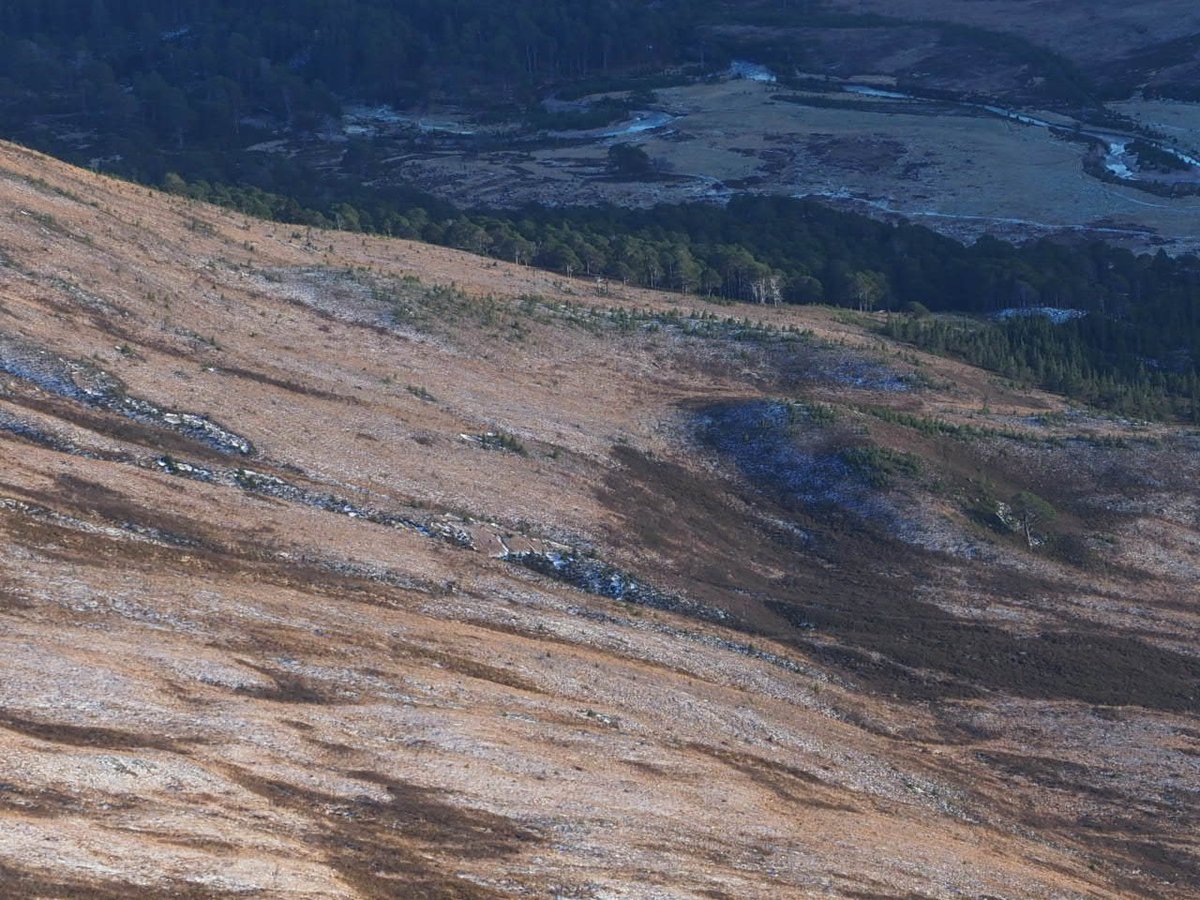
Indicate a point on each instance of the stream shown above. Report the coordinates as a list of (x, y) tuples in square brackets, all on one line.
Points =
[(1117, 160)]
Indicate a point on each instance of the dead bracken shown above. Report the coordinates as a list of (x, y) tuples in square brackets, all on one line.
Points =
[(323, 578)]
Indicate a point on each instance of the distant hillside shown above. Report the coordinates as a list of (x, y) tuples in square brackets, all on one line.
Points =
[(143, 87)]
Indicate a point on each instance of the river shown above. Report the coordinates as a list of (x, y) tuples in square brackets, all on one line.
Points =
[(1117, 160)]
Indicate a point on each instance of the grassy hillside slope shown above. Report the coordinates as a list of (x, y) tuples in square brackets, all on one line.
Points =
[(337, 566)]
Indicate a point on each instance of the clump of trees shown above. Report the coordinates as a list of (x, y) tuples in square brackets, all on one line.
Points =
[(190, 81), (1140, 365), (629, 161), (1028, 513)]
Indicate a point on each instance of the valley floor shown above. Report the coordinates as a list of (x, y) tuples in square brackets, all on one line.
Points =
[(956, 170)]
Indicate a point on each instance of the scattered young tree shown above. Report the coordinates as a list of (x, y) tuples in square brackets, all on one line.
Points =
[(867, 289), (1031, 512)]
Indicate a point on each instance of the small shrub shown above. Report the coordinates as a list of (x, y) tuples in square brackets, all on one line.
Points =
[(879, 465), (502, 440), (916, 309)]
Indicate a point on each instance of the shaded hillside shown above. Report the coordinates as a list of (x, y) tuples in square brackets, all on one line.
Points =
[(1119, 46), (340, 566)]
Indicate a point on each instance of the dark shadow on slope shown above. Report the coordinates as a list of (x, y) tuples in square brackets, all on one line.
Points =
[(758, 437), (850, 599), (89, 736), (404, 846), (287, 687), (30, 885), (848, 592)]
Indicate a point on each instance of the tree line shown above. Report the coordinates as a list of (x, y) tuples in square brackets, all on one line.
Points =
[(193, 70), (163, 86)]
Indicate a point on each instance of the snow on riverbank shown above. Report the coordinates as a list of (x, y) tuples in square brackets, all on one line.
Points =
[(892, 208), (740, 68), (1115, 161), (641, 122), (1056, 314), (366, 120), (868, 91)]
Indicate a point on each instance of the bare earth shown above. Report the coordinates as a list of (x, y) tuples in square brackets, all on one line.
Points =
[(302, 667)]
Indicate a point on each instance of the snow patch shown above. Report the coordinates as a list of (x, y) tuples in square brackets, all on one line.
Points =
[(641, 122), (593, 576), (90, 386), (365, 120), (1056, 314), (867, 91), (1115, 160), (741, 68)]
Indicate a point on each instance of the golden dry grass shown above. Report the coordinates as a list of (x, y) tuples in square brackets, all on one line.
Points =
[(210, 690)]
